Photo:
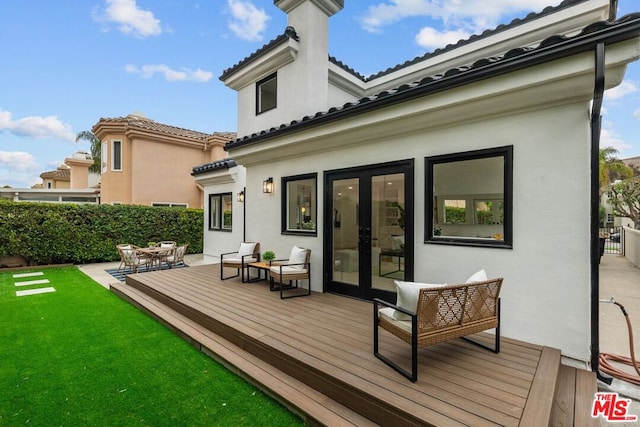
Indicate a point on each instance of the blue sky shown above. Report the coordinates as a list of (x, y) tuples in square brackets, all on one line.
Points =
[(64, 65)]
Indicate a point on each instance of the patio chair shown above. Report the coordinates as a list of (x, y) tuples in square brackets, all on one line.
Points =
[(170, 245), (130, 258), (248, 252), (428, 314), (177, 256), (297, 267)]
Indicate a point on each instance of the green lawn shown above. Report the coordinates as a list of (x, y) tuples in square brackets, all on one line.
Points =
[(81, 356)]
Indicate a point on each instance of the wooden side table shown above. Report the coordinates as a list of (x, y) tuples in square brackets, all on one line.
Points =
[(260, 266)]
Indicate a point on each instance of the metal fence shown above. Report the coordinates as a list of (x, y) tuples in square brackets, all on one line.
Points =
[(614, 240)]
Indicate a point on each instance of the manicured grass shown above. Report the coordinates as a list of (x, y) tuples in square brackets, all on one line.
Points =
[(82, 356)]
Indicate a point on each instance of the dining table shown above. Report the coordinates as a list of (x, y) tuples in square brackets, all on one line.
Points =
[(156, 255)]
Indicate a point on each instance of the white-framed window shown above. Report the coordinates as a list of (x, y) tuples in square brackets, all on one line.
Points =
[(299, 204), (116, 155), (170, 205), (267, 93), (220, 212), (103, 157)]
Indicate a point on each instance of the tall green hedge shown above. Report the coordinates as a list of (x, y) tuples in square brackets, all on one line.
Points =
[(47, 233)]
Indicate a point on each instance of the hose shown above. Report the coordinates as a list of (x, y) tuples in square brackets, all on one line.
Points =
[(605, 358)]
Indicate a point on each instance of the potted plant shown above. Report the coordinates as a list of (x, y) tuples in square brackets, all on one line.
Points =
[(268, 256)]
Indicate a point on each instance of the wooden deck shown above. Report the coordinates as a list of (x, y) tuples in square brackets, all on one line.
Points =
[(314, 354)]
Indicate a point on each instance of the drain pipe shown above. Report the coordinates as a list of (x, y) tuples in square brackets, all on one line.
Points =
[(596, 123)]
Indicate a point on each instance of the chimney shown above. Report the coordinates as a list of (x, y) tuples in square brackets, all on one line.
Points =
[(79, 164)]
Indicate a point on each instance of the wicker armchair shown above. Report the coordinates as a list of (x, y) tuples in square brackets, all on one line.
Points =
[(130, 258), (297, 267), (176, 257), (248, 252), (443, 313)]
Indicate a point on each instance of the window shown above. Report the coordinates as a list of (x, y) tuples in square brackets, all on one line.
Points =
[(220, 212), (170, 205), (299, 204), (103, 157), (469, 198), (116, 155), (267, 93)]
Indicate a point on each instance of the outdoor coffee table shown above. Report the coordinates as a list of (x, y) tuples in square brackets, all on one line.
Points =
[(260, 266)]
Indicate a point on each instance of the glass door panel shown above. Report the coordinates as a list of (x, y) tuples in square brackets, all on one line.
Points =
[(387, 230), (346, 251)]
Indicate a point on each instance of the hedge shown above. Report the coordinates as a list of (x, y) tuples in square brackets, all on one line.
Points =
[(47, 233)]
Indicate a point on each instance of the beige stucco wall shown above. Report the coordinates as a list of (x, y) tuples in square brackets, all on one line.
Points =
[(153, 171)]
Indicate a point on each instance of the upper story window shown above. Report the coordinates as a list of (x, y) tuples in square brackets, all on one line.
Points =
[(299, 204), (220, 211), (116, 155), (267, 93), (469, 198)]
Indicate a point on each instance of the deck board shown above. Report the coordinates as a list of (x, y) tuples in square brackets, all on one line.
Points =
[(325, 341)]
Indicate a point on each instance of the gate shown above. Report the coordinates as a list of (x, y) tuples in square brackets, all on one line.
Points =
[(614, 240)]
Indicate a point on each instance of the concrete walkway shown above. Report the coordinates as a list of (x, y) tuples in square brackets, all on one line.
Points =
[(97, 271)]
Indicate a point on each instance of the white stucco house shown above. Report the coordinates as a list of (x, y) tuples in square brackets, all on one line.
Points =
[(432, 170)]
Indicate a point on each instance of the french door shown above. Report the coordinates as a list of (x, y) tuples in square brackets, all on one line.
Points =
[(368, 231)]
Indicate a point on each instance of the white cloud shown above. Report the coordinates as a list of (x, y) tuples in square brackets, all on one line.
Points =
[(36, 127), (130, 18), (170, 75), (623, 89), (470, 15), (636, 114), (247, 21), (609, 138), (430, 38), (18, 161)]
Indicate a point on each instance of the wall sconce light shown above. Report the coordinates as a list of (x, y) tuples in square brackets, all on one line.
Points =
[(241, 197), (267, 185)]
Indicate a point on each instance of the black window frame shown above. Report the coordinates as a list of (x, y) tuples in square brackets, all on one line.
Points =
[(217, 199), (116, 163), (285, 205), (259, 85), (506, 152)]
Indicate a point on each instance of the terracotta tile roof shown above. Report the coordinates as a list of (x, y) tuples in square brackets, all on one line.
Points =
[(553, 47), (134, 121), (218, 164), (58, 174)]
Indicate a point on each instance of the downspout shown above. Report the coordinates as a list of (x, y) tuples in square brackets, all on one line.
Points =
[(596, 122)]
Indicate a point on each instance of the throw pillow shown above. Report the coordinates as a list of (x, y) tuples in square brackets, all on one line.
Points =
[(479, 276), (408, 294), (246, 249), (298, 256)]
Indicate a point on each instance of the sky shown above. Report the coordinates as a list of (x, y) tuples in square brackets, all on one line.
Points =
[(64, 65)]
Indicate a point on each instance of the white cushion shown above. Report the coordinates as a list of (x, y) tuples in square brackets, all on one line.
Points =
[(408, 294), (287, 270), (478, 276), (387, 313), (238, 260), (397, 242), (246, 249), (166, 245), (298, 256)]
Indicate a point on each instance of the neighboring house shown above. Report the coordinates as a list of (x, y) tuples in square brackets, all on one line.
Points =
[(149, 163), (611, 220), (71, 182), (429, 171)]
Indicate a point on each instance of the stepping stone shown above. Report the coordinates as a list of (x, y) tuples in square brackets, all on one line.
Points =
[(33, 282), (18, 276), (34, 291)]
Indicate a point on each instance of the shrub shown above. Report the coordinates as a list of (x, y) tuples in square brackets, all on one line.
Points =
[(47, 233)]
